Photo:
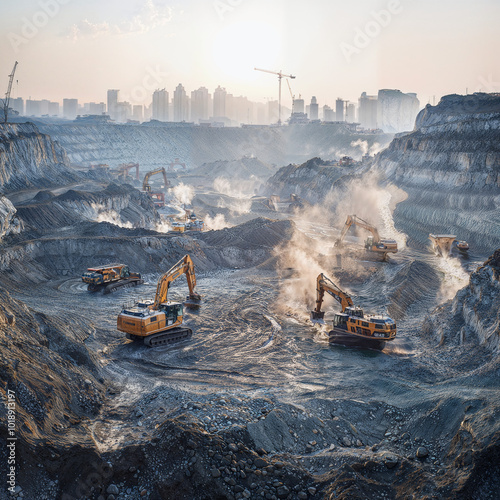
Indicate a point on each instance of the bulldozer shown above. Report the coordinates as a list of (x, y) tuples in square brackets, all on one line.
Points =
[(159, 322), (110, 277), (352, 327), (373, 243)]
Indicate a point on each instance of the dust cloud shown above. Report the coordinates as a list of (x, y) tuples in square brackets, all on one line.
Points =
[(183, 193), (215, 223), (104, 214)]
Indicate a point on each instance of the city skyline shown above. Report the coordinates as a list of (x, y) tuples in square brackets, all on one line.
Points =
[(73, 49)]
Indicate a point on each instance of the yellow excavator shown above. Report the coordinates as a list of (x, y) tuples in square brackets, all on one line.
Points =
[(158, 322), (351, 326), (374, 243), (157, 196)]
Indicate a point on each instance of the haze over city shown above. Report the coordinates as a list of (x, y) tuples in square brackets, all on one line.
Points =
[(76, 49)]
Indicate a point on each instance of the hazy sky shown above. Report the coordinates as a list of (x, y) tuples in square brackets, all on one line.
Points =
[(81, 48)]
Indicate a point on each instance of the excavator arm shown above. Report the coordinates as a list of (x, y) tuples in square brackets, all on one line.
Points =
[(145, 184), (324, 284), (184, 266), (353, 219)]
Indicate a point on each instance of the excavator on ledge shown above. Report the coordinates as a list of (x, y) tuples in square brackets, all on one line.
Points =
[(374, 243), (158, 322), (157, 196), (352, 327)]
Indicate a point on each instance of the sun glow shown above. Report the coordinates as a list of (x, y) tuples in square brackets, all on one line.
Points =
[(240, 47)]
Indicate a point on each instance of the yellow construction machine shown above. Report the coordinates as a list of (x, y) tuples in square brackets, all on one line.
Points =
[(374, 243), (351, 326), (159, 321), (157, 196)]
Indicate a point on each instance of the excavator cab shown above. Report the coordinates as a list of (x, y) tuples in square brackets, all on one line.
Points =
[(340, 321), (369, 243), (354, 311), (173, 311)]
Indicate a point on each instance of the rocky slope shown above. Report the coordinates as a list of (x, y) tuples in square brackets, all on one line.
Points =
[(9, 223), (119, 204), (156, 146), (473, 316), (450, 168), (311, 180), (30, 158)]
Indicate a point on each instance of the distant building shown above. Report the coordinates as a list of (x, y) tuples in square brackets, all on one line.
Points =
[(200, 104), (181, 104), (160, 105), (328, 114), (220, 102), (123, 111), (339, 110), (17, 104), (313, 109), (112, 102), (137, 113), (70, 108), (396, 110), (33, 108), (298, 106), (53, 109), (272, 112), (367, 111), (350, 115)]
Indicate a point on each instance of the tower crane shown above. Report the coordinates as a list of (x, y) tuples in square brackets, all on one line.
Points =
[(7, 95), (280, 76)]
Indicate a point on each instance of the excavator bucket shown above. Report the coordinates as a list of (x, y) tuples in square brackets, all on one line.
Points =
[(317, 316), (193, 300)]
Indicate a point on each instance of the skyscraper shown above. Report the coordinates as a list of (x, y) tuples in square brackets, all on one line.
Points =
[(313, 109), (137, 113), (181, 104), (112, 102), (328, 114), (70, 108), (200, 100), (160, 105), (220, 102), (367, 111), (350, 115), (339, 110)]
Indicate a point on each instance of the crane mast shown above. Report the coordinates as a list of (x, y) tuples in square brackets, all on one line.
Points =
[(7, 94), (280, 76)]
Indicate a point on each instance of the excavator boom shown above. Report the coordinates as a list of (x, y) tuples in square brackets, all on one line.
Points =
[(375, 244), (324, 284), (184, 266)]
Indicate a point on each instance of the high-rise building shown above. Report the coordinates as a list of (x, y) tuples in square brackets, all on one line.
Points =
[(272, 111), (53, 109), (367, 111), (160, 105), (200, 102), (328, 114), (397, 111), (70, 108), (17, 104), (181, 104), (137, 112), (220, 102), (123, 111), (112, 102), (313, 109), (298, 106), (96, 108), (33, 108), (339, 110), (350, 113)]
